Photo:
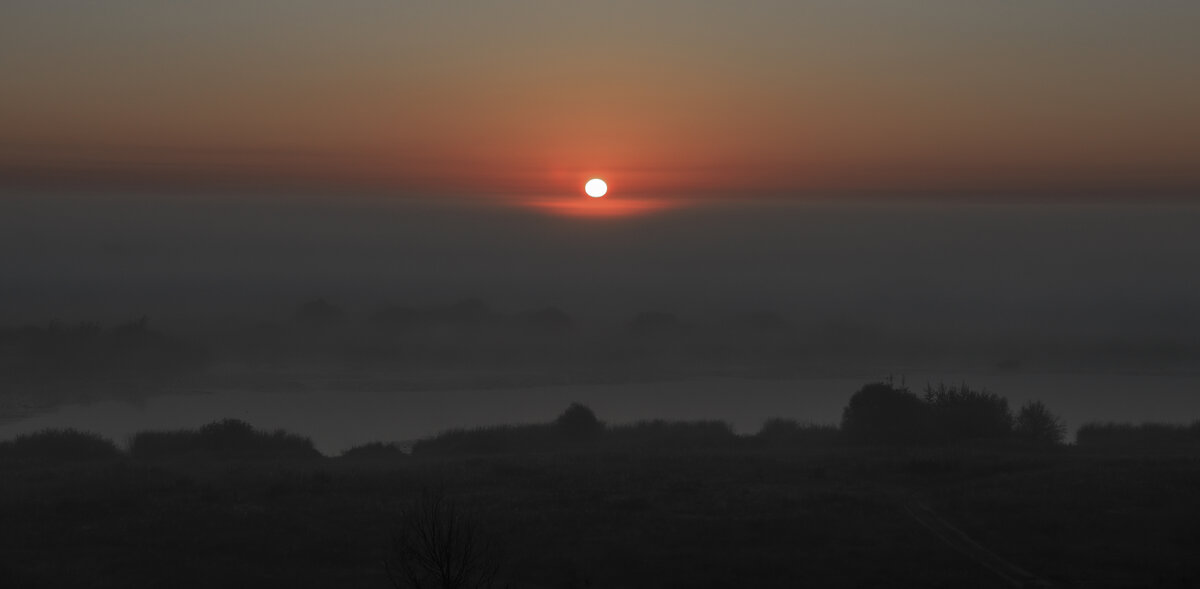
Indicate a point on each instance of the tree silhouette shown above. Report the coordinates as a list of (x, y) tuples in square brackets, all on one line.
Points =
[(578, 422), (882, 413), (960, 413), (1036, 424), (438, 545)]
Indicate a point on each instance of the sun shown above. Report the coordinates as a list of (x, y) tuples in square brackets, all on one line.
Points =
[(595, 188)]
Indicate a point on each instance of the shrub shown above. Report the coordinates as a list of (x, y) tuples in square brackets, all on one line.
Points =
[(222, 440), (578, 422), (882, 413), (374, 451), (1035, 424), (674, 435), (789, 432), (578, 428), (58, 445), (500, 439), (1145, 435), (960, 413), (575, 427)]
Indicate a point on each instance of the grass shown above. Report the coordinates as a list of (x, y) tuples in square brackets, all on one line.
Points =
[(658, 520), (654, 504), (1089, 520)]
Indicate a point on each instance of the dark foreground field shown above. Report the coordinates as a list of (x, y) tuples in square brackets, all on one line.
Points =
[(740, 517)]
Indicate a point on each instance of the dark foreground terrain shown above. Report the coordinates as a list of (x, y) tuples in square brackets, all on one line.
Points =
[(737, 516)]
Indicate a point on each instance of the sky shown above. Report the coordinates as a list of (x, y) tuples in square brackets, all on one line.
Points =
[(668, 101), (916, 164)]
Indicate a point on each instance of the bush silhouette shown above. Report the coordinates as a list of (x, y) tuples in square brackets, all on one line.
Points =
[(659, 434), (1036, 425), (1159, 436), (499, 439), (778, 431), (228, 439), (374, 451), (960, 413), (578, 428), (58, 445), (578, 422), (881, 413)]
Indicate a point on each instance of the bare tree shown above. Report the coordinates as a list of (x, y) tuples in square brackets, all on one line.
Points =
[(439, 545)]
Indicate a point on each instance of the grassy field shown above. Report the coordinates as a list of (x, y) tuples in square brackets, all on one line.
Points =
[(830, 517)]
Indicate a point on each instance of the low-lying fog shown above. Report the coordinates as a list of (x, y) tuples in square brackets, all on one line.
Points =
[(1092, 308)]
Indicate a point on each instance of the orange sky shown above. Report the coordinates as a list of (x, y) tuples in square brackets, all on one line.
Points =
[(528, 99)]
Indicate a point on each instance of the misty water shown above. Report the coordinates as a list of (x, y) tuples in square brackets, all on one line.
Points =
[(337, 419)]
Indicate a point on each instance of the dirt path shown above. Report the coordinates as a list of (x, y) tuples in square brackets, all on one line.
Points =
[(953, 537)]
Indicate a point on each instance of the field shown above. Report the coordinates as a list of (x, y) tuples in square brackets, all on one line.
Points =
[(720, 517)]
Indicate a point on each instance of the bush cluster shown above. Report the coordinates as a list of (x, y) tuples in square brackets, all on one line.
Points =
[(578, 428), (778, 431), (58, 445), (1145, 435), (228, 439), (882, 413)]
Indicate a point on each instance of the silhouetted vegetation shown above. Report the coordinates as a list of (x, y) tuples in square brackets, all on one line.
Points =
[(439, 544), (374, 451), (53, 446), (229, 439), (579, 423), (580, 502), (1036, 425), (960, 413), (498, 439), (659, 435), (780, 432), (730, 514), (880, 413), (578, 428), (1146, 436)]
